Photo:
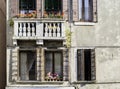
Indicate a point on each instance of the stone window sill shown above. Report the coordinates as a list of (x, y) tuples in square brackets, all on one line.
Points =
[(84, 23)]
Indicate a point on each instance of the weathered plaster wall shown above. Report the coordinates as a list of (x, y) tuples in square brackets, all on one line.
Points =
[(107, 65), (104, 36), (2, 45), (106, 32)]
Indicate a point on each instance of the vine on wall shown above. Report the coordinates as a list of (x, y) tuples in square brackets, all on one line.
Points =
[(68, 34)]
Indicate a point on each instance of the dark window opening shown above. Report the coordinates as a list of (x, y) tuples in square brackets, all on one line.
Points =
[(87, 55), (27, 4), (53, 66), (27, 7), (53, 8), (27, 65), (85, 63)]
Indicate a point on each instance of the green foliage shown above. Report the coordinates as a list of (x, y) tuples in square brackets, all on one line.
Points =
[(68, 34), (11, 22)]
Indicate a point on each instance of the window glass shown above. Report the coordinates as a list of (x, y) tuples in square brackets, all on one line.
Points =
[(53, 65), (52, 5), (86, 10), (27, 65)]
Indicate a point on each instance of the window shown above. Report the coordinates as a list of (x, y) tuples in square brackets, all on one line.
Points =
[(53, 66), (53, 8), (85, 64), (86, 10), (27, 6), (27, 68)]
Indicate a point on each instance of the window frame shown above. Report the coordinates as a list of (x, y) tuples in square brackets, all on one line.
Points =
[(53, 52), (94, 66), (91, 15), (19, 64), (53, 13)]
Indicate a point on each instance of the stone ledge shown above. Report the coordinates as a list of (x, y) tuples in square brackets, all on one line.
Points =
[(38, 87)]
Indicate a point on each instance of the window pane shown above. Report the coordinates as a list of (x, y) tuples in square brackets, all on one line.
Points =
[(27, 65), (53, 5), (48, 62), (23, 4), (86, 10), (27, 4), (58, 64)]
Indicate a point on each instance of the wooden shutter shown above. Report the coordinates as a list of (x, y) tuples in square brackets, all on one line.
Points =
[(93, 71), (14, 10), (65, 9), (80, 65), (39, 8), (38, 64), (15, 64), (65, 64), (95, 10), (75, 10)]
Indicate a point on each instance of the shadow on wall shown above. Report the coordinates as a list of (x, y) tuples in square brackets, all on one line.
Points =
[(2, 44)]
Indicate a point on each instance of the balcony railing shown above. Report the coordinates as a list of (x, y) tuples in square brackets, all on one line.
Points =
[(38, 29)]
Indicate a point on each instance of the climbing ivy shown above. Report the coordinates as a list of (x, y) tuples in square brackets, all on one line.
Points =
[(68, 34)]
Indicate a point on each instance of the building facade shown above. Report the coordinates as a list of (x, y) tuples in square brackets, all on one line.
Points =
[(63, 44)]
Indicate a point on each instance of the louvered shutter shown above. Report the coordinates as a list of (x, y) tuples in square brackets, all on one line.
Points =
[(75, 10), (65, 9), (15, 63), (39, 8), (14, 10), (65, 64), (93, 71), (80, 64), (38, 64), (95, 10)]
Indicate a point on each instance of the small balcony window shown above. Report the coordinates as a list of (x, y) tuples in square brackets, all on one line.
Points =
[(53, 9), (27, 8)]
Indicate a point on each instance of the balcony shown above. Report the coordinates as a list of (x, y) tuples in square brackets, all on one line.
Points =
[(32, 29)]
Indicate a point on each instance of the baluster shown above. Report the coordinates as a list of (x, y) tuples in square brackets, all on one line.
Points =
[(54, 30), (50, 30), (24, 29), (28, 29), (46, 30), (20, 30), (33, 29), (58, 30)]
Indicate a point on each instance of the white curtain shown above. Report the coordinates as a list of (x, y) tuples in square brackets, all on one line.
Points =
[(86, 9)]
